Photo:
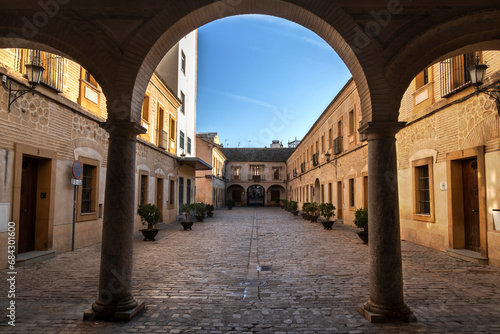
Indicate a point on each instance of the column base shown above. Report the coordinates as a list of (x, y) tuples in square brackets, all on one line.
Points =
[(376, 314), (122, 315)]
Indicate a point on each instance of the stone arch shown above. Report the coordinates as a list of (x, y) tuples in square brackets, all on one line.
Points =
[(274, 192), (236, 192), (256, 195), (333, 26), (443, 41)]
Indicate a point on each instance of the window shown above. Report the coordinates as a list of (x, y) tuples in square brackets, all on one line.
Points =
[(351, 193), (330, 138), (181, 139), (189, 146), (323, 144), (351, 122), (87, 185), (52, 76), (330, 198), (172, 129), (276, 173), (88, 192), (145, 108), (183, 102), (423, 190), (236, 173), (171, 198), (422, 79), (454, 74), (256, 170), (143, 187), (183, 62)]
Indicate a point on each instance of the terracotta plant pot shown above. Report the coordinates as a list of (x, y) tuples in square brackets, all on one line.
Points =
[(149, 235)]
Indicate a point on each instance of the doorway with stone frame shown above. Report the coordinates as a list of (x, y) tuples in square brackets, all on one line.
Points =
[(467, 203)]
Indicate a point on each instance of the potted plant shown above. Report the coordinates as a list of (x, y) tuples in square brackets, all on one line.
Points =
[(150, 215), (305, 209), (294, 207), (326, 210), (230, 203), (361, 221), (186, 209), (210, 210), (313, 211), (284, 204), (200, 209), (277, 201)]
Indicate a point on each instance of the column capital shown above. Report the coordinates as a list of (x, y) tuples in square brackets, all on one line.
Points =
[(381, 129), (122, 128)]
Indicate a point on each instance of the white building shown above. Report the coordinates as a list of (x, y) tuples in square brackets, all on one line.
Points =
[(179, 69)]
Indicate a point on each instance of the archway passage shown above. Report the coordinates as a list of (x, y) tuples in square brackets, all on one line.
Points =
[(275, 194), (384, 45), (237, 194), (256, 196)]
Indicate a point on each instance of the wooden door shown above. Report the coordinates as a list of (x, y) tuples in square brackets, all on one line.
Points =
[(159, 196), (275, 195), (471, 205), (181, 193), (365, 191), (236, 194), (27, 218), (340, 200)]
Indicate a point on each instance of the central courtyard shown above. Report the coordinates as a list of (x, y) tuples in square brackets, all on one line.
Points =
[(256, 270)]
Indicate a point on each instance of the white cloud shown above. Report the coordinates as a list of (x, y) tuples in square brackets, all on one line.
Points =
[(243, 98)]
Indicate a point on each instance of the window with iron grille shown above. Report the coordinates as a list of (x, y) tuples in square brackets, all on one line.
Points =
[(423, 190), (87, 184), (276, 173), (52, 76), (454, 74), (183, 62), (189, 145), (423, 194)]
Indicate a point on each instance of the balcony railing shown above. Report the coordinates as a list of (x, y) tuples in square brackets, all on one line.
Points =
[(454, 74), (337, 145), (53, 74), (256, 178), (315, 159)]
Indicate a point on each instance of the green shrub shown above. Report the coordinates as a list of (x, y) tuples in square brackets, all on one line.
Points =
[(187, 209), (305, 207), (361, 218), (150, 215), (314, 209), (326, 210)]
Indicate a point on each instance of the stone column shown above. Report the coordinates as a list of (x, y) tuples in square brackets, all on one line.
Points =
[(115, 300), (386, 272)]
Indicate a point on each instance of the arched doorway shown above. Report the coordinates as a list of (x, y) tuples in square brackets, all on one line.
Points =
[(317, 192), (275, 194), (237, 194), (256, 195)]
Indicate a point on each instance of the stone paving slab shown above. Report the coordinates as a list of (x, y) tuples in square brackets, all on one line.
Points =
[(208, 281)]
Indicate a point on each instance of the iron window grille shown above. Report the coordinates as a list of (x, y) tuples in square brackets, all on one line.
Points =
[(454, 74), (337, 145), (87, 189), (424, 198), (52, 76)]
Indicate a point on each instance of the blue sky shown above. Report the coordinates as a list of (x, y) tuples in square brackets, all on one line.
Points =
[(262, 78)]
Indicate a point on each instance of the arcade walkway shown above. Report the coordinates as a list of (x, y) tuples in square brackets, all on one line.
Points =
[(207, 281)]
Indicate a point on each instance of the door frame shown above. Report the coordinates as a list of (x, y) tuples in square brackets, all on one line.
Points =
[(44, 233), (456, 224)]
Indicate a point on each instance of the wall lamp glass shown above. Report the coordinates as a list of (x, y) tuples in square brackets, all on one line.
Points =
[(33, 74), (477, 74)]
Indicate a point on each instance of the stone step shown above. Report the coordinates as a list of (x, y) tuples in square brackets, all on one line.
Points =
[(29, 258), (467, 255)]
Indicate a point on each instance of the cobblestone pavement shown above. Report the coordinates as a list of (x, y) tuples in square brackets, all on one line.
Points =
[(208, 281)]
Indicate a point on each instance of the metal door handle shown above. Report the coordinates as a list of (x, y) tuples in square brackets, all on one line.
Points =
[(475, 210), (24, 210)]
